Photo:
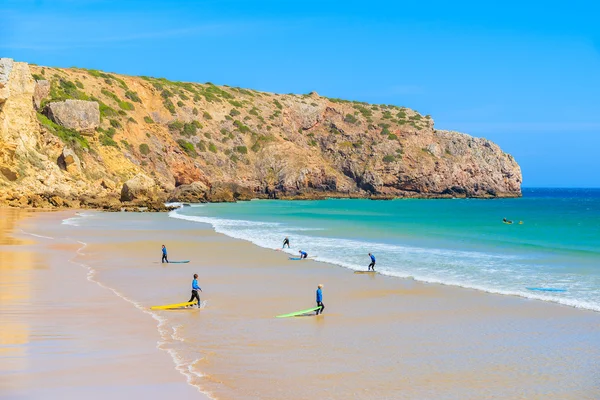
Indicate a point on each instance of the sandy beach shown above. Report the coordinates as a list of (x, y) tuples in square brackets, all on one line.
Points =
[(75, 322), (63, 336)]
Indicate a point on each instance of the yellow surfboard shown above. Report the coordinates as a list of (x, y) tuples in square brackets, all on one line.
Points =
[(170, 306)]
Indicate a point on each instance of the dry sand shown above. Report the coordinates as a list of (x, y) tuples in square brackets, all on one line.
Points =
[(380, 337)]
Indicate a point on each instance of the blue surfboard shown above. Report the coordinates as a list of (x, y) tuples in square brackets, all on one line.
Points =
[(179, 262), (546, 289), (295, 258)]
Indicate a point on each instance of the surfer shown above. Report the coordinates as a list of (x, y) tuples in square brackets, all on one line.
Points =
[(303, 254), (286, 241), (320, 300), (164, 255), (507, 221), (195, 289), (372, 265)]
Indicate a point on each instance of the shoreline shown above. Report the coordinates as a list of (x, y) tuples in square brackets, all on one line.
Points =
[(82, 341), (234, 347), (571, 303)]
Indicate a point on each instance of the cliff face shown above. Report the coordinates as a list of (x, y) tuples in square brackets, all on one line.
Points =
[(74, 137)]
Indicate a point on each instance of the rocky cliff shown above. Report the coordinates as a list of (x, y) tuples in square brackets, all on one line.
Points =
[(75, 137)]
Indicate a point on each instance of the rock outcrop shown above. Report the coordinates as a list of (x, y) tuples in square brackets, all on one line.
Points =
[(85, 138), (79, 115), (139, 187), (41, 92), (68, 161)]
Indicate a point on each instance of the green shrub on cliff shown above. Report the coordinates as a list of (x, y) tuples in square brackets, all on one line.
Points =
[(115, 124), (63, 90), (277, 104), (110, 94), (68, 136), (241, 127), (188, 147), (106, 111), (206, 115), (133, 96), (169, 106), (201, 145), (125, 105), (236, 103), (351, 119), (148, 120), (144, 149), (212, 147), (364, 111), (176, 126), (389, 158), (108, 141), (234, 112), (241, 149)]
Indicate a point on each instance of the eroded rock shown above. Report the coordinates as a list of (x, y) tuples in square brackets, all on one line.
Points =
[(41, 91), (195, 192), (79, 115), (69, 161), (139, 187)]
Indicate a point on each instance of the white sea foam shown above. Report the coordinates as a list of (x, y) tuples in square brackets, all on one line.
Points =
[(77, 219), (36, 235), (497, 273)]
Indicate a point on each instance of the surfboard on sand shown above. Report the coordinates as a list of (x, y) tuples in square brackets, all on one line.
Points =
[(546, 289), (172, 306), (365, 272), (297, 313), (179, 262), (295, 258)]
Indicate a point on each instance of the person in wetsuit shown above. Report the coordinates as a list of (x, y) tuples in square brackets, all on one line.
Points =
[(372, 265), (286, 241), (303, 254), (320, 300), (164, 255), (195, 288)]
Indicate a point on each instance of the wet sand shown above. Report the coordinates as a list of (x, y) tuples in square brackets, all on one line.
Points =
[(380, 337), (65, 337)]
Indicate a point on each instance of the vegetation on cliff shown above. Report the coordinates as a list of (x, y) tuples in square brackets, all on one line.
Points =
[(241, 143)]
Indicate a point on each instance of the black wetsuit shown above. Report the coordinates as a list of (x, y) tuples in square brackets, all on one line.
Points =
[(286, 241), (320, 301), (372, 265), (195, 296), (164, 257)]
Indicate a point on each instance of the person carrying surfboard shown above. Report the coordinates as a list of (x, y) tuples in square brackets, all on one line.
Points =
[(286, 241), (195, 288), (372, 265), (303, 254), (320, 299), (164, 255)]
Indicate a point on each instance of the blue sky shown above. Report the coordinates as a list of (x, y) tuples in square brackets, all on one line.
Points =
[(526, 76)]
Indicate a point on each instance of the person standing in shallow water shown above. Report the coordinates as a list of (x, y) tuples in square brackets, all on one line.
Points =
[(320, 299), (195, 288), (372, 265), (164, 255), (286, 241)]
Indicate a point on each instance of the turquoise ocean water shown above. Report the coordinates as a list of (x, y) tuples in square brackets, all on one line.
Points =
[(456, 242)]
